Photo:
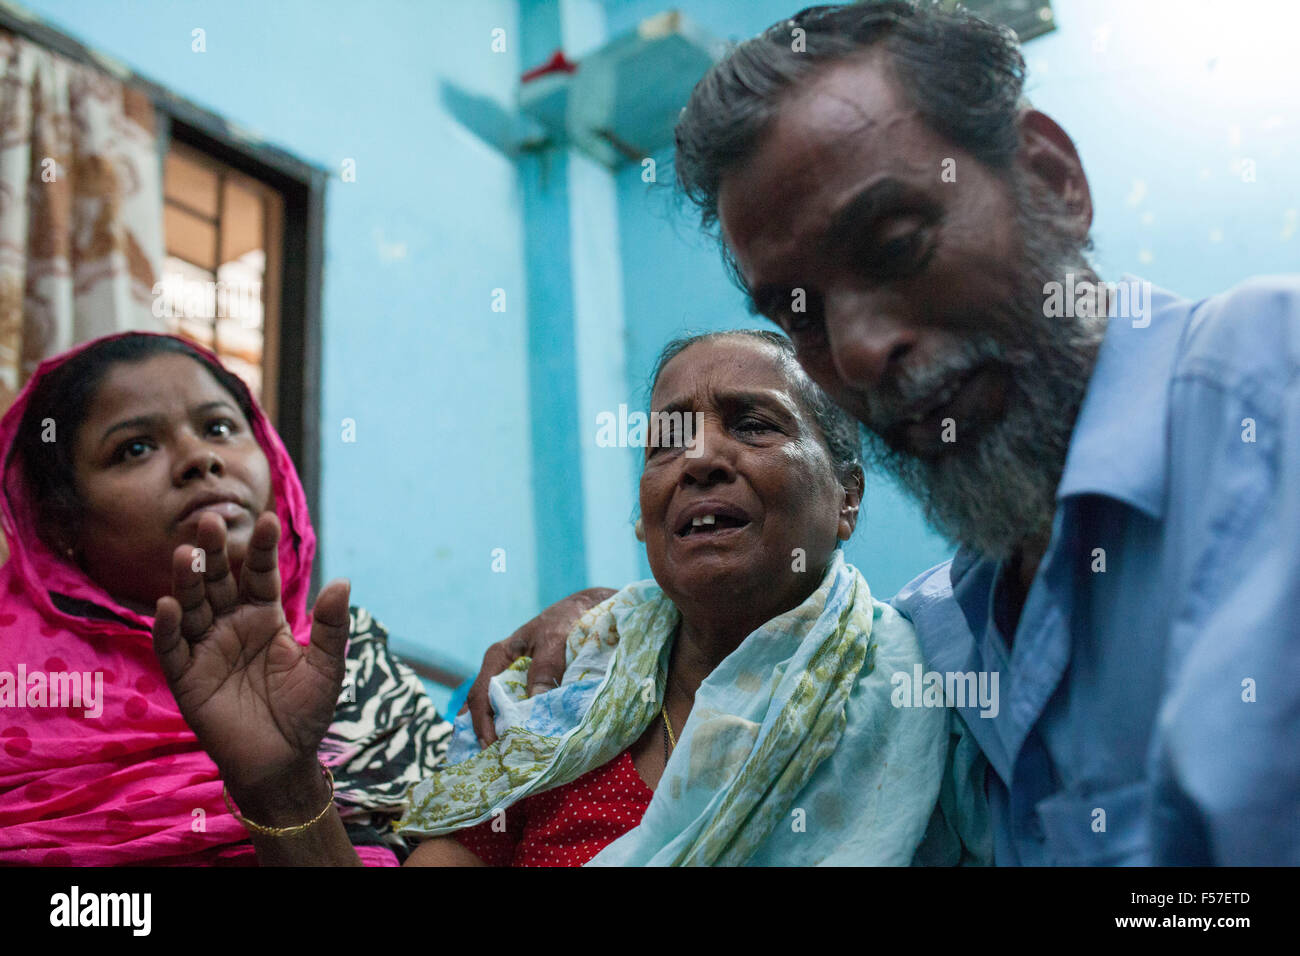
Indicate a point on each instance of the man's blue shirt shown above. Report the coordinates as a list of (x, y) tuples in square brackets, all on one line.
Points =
[(1150, 699)]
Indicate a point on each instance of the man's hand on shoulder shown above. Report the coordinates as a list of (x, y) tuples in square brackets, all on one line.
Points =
[(543, 639)]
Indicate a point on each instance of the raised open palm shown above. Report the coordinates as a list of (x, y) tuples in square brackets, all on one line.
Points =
[(258, 701)]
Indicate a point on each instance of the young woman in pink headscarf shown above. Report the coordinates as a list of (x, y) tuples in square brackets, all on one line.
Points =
[(111, 454)]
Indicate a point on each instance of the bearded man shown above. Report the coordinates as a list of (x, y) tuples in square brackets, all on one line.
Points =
[(1122, 475)]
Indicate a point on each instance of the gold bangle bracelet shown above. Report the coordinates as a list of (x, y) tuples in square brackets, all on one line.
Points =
[(282, 831)]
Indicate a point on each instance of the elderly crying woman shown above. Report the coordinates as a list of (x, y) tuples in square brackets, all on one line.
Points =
[(734, 710)]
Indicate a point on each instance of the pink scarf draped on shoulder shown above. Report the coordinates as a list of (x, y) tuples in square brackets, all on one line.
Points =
[(124, 782)]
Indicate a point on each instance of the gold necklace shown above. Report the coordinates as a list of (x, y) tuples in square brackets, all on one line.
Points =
[(670, 741)]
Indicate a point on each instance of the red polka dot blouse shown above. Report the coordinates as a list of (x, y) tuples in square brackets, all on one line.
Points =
[(566, 826)]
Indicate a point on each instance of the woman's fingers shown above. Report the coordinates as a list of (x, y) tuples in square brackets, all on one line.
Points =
[(190, 593), (330, 628), (259, 578), (220, 585), (172, 648)]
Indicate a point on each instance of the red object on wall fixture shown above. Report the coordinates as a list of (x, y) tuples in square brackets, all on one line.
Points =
[(558, 63)]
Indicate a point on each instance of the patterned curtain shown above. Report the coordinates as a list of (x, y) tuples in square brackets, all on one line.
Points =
[(80, 208)]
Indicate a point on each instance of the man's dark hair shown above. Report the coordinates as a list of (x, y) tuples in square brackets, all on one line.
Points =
[(838, 428), (963, 75), (64, 396)]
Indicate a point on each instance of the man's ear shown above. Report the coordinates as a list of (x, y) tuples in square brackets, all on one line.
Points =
[(851, 505), (1048, 155)]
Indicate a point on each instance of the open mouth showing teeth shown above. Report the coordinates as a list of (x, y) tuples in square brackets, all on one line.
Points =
[(709, 524)]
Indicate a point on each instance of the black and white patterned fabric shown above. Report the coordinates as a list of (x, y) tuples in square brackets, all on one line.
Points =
[(386, 736)]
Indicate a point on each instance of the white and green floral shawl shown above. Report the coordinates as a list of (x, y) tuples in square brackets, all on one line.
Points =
[(793, 753)]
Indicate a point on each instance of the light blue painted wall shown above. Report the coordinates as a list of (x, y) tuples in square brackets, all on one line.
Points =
[(576, 337), (1163, 98), (441, 471)]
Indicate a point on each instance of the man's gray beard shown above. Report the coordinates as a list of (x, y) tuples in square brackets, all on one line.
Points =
[(998, 491)]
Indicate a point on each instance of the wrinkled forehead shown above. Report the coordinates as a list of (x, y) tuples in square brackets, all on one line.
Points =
[(842, 127), (707, 371)]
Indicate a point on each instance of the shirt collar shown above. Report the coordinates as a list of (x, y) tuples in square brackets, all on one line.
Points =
[(1118, 448)]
